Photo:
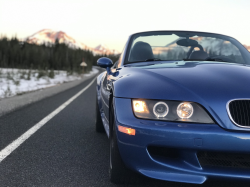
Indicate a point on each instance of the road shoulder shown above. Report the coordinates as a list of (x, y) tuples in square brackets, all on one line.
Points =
[(12, 103)]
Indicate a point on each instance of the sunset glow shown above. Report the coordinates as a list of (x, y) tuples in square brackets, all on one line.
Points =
[(110, 22)]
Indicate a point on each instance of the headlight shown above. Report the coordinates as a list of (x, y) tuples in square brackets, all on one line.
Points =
[(140, 106), (185, 110), (160, 109), (170, 111)]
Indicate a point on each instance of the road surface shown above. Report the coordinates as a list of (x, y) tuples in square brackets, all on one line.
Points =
[(66, 150)]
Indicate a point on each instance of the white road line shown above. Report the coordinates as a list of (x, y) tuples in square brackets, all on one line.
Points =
[(16, 143)]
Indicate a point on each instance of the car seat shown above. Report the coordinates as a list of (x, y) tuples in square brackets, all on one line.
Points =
[(199, 55), (140, 52)]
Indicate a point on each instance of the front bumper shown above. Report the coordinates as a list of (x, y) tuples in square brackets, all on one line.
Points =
[(186, 139)]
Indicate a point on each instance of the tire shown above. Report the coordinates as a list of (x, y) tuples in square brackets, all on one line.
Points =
[(118, 172), (98, 120)]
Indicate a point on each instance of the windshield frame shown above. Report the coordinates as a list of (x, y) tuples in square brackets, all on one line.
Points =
[(244, 52)]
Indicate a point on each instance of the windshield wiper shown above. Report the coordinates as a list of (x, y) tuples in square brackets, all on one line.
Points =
[(136, 65), (207, 59), (153, 59), (186, 59), (216, 59)]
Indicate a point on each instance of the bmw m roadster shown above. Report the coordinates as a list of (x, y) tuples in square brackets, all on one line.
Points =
[(176, 107)]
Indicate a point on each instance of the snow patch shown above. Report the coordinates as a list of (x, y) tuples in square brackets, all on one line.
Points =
[(19, 81)]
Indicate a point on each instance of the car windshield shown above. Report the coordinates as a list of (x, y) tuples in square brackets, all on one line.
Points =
[(180, 45)]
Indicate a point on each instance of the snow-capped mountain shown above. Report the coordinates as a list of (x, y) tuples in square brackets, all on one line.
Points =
[(103, 49), (48, 36)]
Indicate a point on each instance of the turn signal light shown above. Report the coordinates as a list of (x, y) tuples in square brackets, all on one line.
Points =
[(126, 130)]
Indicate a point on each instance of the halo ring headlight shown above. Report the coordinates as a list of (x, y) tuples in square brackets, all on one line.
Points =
[(185, 110), (160, 109)]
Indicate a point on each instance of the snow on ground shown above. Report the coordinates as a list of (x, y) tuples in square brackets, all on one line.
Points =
[(19, 81)]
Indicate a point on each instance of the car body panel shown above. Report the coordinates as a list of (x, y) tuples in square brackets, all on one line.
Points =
[(210, 84), (187, 138)]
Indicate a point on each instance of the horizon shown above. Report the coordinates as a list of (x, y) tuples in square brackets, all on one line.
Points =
[(95, 49), (111, 22)]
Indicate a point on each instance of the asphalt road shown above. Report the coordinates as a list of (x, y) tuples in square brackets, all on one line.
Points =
[(66, 151)]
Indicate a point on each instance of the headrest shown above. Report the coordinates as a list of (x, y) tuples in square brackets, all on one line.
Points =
[(141, 51), (199, 55)]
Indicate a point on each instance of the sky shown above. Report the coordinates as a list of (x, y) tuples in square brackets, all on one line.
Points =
[(110, 22)]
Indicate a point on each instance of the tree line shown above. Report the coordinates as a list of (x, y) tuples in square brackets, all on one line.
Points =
[(58, 56)]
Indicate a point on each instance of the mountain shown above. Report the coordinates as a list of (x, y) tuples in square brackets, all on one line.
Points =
[(48, 36), (247, 47), (103, 49)]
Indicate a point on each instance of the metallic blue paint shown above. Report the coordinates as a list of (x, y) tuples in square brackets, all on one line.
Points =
[(186, 137), (104, 62), (211, 84)]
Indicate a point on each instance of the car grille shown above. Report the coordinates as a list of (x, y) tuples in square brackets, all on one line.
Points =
[(224, 159), (240, 112)]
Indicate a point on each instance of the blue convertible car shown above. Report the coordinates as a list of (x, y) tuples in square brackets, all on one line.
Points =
[(176, 107)]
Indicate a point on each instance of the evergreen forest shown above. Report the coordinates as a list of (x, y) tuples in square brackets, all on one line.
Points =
[(58, 56)]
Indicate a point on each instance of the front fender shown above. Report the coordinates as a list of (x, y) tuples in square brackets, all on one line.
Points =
[(143, 84)]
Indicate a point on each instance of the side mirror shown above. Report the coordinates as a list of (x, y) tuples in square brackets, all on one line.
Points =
[(104, 62), (107, 63)]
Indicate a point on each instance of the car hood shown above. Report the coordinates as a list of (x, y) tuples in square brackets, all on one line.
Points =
[(210, 84)]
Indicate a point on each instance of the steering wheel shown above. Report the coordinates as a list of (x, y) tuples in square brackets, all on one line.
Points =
[(192, 49)]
